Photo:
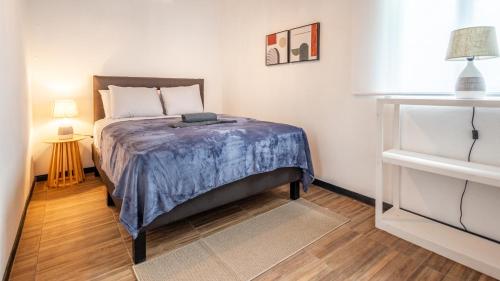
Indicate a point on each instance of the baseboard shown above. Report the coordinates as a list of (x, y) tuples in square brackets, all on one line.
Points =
[(45, 176), (13, 251), (351, 194)]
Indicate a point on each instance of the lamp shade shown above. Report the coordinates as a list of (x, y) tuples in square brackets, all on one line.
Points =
[(65, 109), (479, 42)]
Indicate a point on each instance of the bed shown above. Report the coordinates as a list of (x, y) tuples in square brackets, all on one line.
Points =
[(199, 202)]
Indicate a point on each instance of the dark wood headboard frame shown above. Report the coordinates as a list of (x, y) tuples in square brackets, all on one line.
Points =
[(102, 83)]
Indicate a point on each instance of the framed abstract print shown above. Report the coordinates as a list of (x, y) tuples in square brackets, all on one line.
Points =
[(277, 48), (304, 43)]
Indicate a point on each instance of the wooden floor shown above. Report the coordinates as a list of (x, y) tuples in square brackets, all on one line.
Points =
[(70, 234)]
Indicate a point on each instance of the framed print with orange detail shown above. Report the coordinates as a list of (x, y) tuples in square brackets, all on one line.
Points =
[(304, 43), (277, 48)]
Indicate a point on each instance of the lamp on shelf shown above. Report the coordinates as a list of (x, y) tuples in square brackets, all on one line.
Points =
[(65, 109), (472, 43)]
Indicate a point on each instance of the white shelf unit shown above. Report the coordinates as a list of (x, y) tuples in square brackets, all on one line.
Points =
[(468, 249)]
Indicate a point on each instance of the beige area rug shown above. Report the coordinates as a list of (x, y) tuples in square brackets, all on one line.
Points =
[(246, 250)]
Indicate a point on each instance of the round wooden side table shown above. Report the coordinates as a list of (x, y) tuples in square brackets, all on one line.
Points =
[(66, 165)]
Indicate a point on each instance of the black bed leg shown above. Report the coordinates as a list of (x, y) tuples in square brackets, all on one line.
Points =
[(295, 190), (139, 248), (96, 173), (109, 200)]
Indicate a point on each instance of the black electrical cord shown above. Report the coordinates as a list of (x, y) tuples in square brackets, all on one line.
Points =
[(475, 137), (461, 204)]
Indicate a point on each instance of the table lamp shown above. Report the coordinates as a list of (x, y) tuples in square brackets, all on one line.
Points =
[(472, 43), (65, 109)]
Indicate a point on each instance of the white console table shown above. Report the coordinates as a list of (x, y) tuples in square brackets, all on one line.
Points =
[(462, 247)]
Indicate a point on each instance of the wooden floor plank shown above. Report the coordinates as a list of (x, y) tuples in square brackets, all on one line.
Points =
[(425, 273), (400, 267), (70, 234), (356, 256)]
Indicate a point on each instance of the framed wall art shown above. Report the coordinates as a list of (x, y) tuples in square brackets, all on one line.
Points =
[(277, 48), (304, 43)]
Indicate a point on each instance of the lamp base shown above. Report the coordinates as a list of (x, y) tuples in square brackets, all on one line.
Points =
[(470, 83), (65, 133)]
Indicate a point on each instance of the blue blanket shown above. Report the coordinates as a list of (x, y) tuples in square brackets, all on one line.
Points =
[(155, 167)]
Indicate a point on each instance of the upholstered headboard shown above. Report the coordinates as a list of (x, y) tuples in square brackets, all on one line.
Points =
[(102, 83)]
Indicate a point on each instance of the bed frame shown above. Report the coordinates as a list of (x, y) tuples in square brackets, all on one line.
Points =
[(217, 197)]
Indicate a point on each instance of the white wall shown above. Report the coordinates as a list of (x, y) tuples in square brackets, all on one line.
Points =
[(318, 96), (313, 95), (69, 41), (15, 172)]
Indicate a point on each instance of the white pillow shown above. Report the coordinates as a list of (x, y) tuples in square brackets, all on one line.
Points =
[(134, 102), (182, 100), (105, 103)]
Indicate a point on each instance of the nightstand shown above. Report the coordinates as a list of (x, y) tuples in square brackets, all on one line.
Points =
[(65, 165)]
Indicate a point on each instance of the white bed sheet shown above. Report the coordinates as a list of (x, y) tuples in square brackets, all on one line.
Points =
[(99, 125)]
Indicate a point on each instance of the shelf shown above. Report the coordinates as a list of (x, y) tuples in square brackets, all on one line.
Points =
[(475, 172), (480, 254), (441, 101), (473, 251)]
